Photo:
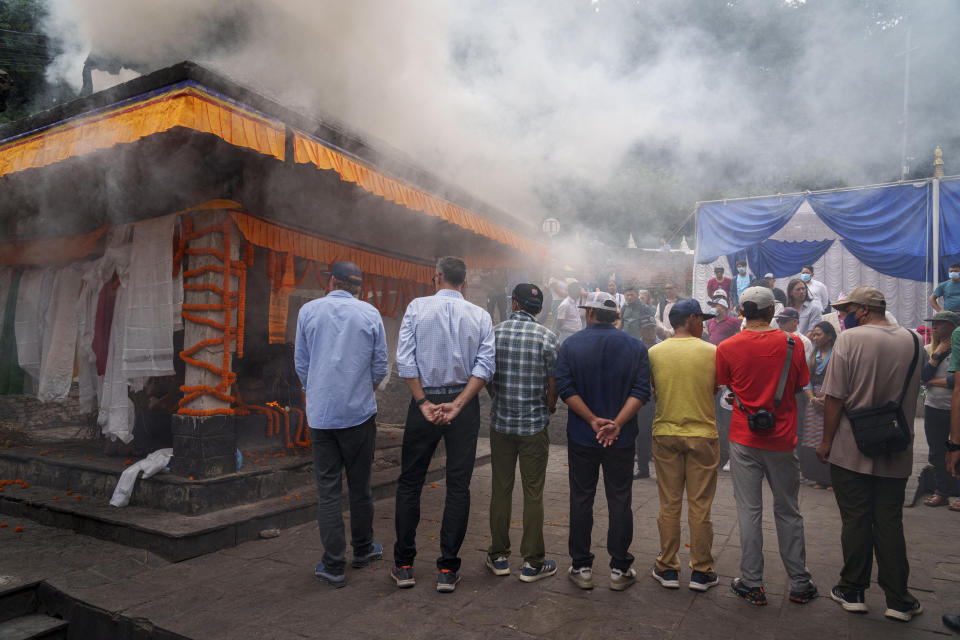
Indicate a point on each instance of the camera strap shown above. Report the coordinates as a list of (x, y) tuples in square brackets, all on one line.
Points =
[(781, 385)]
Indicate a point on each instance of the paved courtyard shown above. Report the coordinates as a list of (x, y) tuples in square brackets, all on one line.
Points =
[(265, 588)]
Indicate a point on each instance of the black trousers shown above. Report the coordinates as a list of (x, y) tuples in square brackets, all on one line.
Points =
[(645, 438), (420, 440), (584, 465), (936, 423), (336, 450)]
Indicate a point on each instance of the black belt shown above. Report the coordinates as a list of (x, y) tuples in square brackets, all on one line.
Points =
[(444, 391)]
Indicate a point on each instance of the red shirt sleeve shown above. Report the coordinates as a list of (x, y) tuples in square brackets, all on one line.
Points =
[(800, 362), (723, 371)]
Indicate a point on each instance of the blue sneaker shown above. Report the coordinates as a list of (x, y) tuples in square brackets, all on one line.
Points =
[(529, 573), (325, 575), (374, 553), (499, 567), (669, 578), (403, 575)]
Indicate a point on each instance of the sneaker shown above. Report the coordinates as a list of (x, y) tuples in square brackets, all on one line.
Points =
[(403, 576), (447, 580), (334, 580), (582, 577), (639, 475), (805, 596), (621, 580), (530, 573), (669, 578), (904, 616), (851, 599), (703, 580), (375, 552), (753, 595), (499, 567)]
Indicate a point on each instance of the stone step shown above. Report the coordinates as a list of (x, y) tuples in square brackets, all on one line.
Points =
[(18, 601), (33, 626), (176, 536)]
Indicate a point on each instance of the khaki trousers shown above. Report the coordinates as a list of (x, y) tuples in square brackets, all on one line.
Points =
[(686, 463)]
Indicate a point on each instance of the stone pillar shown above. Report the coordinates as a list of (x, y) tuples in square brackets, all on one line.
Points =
[(205, 446)]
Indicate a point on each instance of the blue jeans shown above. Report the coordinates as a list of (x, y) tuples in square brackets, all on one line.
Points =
[(333, 451)]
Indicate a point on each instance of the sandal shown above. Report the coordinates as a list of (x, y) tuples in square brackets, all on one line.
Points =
[(955, 506), (937, 500)]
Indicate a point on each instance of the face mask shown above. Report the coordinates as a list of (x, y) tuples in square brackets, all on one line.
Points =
[(805, 277), (955, 275), (850, 321), (741, 270)]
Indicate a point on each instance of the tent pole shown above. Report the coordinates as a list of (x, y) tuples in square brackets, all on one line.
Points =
[(936, 232)]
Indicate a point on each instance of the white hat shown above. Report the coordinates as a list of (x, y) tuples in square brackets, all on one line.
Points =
[(760, 296), (600, 300), (719, 302)]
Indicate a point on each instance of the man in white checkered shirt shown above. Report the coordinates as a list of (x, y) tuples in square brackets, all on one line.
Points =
[(524, 395), (445, 354)]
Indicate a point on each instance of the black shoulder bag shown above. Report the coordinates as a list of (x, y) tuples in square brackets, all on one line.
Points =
[(763, 421), (883, 429)]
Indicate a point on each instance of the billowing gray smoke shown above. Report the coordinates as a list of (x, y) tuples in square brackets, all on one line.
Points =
[(594, 110)]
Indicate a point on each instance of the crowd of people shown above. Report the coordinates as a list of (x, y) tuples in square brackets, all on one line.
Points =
[(773, 386)]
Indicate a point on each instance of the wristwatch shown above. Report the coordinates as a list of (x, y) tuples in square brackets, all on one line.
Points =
[(951, 446), (421, 401)]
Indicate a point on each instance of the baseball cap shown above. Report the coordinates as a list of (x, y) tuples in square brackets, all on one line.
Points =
[(768, 275), (944, 316), (867, 296), (647, 321), (719, 293), (347, 272), (688, 307), (600, 300), (788, 313), (719, 302), (529, 296), (760, 296)]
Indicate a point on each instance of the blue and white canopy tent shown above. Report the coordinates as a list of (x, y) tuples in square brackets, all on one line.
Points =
[(899, 238)]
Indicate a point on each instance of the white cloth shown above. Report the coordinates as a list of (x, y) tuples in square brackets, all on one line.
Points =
[(33, 297), (663, 316), (568, 319), (60, 336), (818, 291), (150, 304), (115, 411)]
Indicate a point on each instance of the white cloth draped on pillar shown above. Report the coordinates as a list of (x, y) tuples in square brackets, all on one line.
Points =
[(33, 297), (115, 413), (59, 336)]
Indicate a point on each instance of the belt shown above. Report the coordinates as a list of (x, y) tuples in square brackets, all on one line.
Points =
[(444, 391)]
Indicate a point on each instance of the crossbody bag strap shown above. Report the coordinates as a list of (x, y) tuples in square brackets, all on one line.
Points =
[(784, 372), (913, 365), (783, 377)]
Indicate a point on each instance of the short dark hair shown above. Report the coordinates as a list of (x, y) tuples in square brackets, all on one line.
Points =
[(741, 262), (606, 316), (453, 270), (719, 267), (751, 312), (631, 287), (350, 287), (955, 265), (807, 266)]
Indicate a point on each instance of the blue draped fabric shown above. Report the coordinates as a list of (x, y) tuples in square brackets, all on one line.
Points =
[(727, 227), (783, 258), (883, 227), (949, 225)]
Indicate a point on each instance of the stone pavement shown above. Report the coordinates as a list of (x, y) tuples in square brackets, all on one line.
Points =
[(265, 588)]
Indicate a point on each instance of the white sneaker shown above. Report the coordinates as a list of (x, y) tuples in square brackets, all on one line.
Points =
[(582, 577), (621, 580)]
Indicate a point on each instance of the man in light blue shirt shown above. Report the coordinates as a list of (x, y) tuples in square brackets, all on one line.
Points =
[(445, 353), (341, 357)]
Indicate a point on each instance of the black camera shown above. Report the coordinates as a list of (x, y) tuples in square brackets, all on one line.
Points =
[(762, 421)]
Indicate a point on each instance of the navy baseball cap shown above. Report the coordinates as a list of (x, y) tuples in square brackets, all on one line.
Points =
[(529, 296), (347, 272), (688, 307)]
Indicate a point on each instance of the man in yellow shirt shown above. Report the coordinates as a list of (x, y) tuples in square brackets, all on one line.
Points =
[(686, 451)]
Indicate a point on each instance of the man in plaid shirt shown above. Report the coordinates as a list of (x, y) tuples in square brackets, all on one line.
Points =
[(524, 395)]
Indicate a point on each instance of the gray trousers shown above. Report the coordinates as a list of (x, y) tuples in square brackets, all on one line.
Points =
[(748, 467), (336, 451)]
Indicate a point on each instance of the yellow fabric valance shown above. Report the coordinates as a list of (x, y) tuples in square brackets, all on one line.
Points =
[(183, 106), (282, 239), (307, 150), (50, 251)]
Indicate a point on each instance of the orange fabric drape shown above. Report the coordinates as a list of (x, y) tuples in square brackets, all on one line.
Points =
[(307, 150), (50, 250), (280, 300), (282, 239), (188, 107)]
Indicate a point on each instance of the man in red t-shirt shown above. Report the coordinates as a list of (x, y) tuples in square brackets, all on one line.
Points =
[(718, 282), (751, 364)]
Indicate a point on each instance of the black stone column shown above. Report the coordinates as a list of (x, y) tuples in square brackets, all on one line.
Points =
[(203, 447)]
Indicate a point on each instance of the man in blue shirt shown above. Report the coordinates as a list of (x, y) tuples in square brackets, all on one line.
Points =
[(340, 357), (740, 283), (445, 353), (603, 375), (949, 291)]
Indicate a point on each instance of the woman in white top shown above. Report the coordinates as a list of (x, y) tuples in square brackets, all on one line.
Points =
[(799, 298)]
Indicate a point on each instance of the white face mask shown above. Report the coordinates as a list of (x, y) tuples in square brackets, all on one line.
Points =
[(955, 275), (741, 270), (805, 277)]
